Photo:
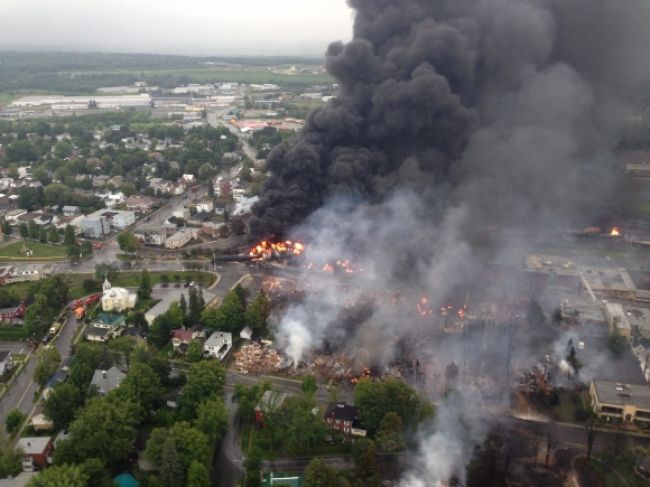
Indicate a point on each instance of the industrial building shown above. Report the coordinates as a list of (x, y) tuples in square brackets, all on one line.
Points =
[(180, 239), (81, 102)]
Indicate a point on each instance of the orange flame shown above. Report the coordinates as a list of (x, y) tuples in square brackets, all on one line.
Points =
[(267, 249), (616, 232)]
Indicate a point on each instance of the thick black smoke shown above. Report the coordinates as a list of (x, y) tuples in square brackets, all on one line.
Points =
[(511, 106)]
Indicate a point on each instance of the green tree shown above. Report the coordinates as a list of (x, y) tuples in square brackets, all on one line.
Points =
[(318, 474), (194, 308), (295, 425), (13, 420), (33, 230), (229, 316), (144, 291), (141, 386), (257, 312), (212, 418), (104, 429), (60, 476), (98, 475), (24, 231), (42, 235), (197, 475), (10, 462), (253, 466), (183, 305), (194, 351), (390, 436), (204, 380), (171, 472), (6, 227), (373, 399), (191, 445), (69, 236), (160, 330), (47, 363), (128, 242), (309, 385), (62, 404), (106, 271), (53, 237)]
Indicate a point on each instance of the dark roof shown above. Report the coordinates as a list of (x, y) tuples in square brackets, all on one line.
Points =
[(341, 411), (135, 332), (98, 332), (3, 356)]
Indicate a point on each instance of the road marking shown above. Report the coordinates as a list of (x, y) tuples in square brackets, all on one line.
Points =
[(24, 394)]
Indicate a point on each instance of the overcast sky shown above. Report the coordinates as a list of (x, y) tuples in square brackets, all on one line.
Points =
[(202, 27)]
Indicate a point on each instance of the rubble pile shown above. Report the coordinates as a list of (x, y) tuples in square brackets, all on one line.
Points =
[(279, 289), (258, 358)]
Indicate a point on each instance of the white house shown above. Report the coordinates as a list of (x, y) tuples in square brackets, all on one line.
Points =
[(205, 206), (218, 345)]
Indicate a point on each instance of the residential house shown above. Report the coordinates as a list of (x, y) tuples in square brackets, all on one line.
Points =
[(99, 181), (343, 417), (6, 363), (141, 204), (71, 211), (188, 178), (182, 338), (218, 345), (616, 402), (106, 326), (12, 216), (114, 199), (116, 181), (179, 188), (205, 205), (107, 380), (59, 376), (37, 452)]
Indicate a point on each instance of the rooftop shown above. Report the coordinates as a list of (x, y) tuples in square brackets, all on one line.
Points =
[(33, 444), (622, 394), (107, 380), (341, 411)]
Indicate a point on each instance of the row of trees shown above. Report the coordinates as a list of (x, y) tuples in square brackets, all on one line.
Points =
[(235, 312)]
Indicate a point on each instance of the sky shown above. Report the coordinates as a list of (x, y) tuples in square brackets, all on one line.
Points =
[(192, 27)]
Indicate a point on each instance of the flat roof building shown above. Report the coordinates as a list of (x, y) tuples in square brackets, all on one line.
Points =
[(615, 401)]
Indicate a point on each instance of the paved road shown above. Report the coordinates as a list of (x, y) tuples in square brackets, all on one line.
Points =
[(21, 394)]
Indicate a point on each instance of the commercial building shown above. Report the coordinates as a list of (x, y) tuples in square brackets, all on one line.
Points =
[(94, 226), (615, 402), (180, 239)]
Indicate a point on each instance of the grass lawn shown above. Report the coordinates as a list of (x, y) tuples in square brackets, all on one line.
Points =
[(125, 279), (623, 465), (569, 404), (14, 252)]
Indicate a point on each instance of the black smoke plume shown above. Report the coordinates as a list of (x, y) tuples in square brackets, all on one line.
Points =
[(512, 106)]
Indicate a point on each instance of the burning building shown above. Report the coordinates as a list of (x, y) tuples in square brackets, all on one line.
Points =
[(453, 120)]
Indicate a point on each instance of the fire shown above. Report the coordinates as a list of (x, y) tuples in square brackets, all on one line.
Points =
[(616, 232), (423, 307), (267, 249)]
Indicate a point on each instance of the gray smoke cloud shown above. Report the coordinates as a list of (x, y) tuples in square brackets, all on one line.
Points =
[(455, 119)]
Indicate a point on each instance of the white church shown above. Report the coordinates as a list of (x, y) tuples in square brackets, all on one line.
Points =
[(117, 298)]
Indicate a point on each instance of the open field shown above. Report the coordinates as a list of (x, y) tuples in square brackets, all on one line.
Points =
[(14, 252)]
